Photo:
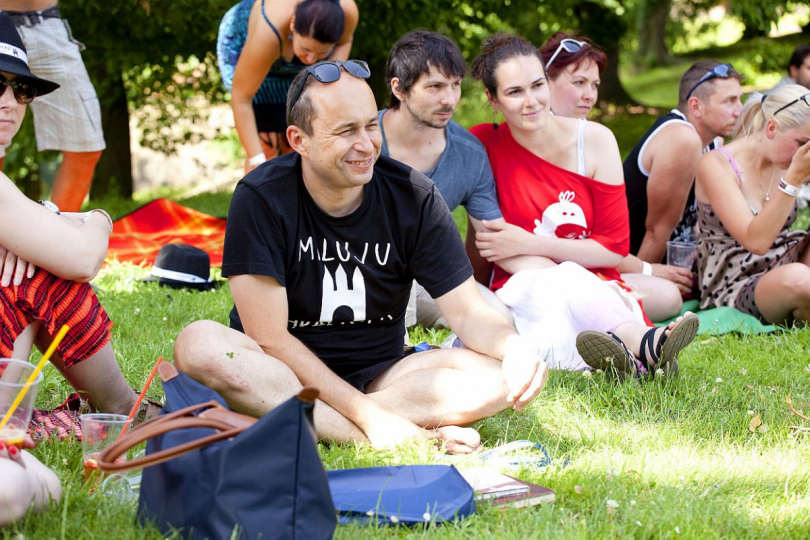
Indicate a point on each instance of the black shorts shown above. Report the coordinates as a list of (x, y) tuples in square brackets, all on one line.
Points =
[(270, 117), (360, 378)]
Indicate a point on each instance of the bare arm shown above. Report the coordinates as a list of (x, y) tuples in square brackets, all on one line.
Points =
[(261, 50), (344, 45), (486, 331), (262, 305), (673, 155), (66, 247), (716, 184), (482, 268)]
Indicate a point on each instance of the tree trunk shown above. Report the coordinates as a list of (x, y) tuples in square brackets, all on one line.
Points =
[(652, 27), (114, 169), (602, 25)]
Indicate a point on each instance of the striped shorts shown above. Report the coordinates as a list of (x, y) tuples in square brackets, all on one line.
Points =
[(54, 302)]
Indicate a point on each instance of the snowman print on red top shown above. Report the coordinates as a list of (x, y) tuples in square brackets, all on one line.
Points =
[(564, 219)]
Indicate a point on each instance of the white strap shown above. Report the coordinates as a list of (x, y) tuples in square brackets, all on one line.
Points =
[(178, 276), (581, 147)]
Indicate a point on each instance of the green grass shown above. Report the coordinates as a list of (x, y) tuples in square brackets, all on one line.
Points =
[(673, 455), (677, 459)]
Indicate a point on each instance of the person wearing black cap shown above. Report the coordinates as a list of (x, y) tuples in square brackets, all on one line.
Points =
[(68, 120), (48, 258)]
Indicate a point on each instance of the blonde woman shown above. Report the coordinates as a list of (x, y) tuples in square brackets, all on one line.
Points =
[(748, 258)]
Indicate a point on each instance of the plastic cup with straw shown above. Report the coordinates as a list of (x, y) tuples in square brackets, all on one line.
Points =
[(24, 389)]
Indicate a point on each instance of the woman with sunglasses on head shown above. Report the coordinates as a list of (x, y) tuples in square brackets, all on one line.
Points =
[(574, 68), (748, 258), (261, 47), (48, 257), (560, 188)]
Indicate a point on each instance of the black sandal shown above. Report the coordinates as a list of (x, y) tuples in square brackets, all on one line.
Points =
[(663, 355), (606, 352)]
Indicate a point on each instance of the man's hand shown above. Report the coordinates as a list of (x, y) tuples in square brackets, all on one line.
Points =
[(524, 371), (682, 277), (501, 240), (14, 268)]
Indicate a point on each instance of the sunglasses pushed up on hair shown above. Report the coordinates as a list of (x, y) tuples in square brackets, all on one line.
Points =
[(804, 98), (570, 46), (721, 71), (328, 71), (23, 92)]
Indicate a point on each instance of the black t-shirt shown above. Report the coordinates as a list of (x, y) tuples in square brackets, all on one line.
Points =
[(347, 278)]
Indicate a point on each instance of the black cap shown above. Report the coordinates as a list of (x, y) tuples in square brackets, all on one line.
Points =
[(183, 266), (14, 57)]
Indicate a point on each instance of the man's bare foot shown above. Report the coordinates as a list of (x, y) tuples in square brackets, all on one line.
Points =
[(458, 440)]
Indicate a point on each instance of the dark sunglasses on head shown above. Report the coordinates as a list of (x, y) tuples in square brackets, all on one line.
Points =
[(722, 71), (23, 92), (570, 46), (798, 99), (327, 72)]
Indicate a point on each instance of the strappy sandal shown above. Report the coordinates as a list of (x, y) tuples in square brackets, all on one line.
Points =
[(663, 355), (605, 351)]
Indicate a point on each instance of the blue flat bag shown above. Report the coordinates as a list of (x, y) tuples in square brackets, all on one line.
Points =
[(401, 495), (213, 473)]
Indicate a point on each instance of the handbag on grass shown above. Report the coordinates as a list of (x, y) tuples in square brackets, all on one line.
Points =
[(213, 473)]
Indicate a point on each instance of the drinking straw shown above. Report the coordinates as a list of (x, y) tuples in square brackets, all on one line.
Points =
[(134, 410), (45, 357)]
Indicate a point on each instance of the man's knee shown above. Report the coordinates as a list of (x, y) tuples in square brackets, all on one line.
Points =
[(201, 346)]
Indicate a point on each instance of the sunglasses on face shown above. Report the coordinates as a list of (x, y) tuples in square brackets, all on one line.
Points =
[(804, 98), (328, 72), (570, 46), (23, 91), (722, 71)]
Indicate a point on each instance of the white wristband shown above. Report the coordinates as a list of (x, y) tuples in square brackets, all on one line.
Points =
[(646, 268), (256, 160), (788, 189)]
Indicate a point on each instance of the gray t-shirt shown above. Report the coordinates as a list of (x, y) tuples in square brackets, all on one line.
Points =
[(463, 174)]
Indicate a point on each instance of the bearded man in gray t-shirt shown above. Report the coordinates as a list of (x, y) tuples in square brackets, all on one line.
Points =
[(424, 74)]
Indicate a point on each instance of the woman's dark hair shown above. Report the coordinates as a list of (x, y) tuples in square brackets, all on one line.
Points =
[(495, 50), (322, 20), (414, 53), (590, 52)]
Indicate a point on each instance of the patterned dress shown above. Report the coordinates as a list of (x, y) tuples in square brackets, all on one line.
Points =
[(727, 272)]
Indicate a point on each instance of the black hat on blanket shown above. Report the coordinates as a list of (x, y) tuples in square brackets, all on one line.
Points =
[(14, 57), (182, 266)]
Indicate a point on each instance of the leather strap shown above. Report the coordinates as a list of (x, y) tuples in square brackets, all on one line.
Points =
[(228, 424)]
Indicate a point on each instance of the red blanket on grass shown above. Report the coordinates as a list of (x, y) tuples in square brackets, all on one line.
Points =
[(138, 236)]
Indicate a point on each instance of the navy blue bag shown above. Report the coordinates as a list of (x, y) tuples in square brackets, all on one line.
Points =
[(210, 471), (401, 495)]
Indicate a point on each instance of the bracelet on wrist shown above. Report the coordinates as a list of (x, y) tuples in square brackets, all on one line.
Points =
[(103, 213), (50, 206), (646, 268), (255, 161), (788, 189)]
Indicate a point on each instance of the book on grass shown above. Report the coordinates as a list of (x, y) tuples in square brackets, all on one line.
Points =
[(501, 489)]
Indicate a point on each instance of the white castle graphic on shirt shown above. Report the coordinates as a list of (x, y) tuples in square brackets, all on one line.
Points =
[(564, 219), (337, 294)]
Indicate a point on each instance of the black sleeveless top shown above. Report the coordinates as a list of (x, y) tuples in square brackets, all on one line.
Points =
[(635, 184)]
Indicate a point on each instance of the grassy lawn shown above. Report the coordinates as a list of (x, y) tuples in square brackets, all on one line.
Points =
[(666, 459), (716, 453)]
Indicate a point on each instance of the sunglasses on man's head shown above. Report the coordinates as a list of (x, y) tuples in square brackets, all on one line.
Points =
[(798, 99), (328, 72), (722, 71), (23, 91), (570, 46)]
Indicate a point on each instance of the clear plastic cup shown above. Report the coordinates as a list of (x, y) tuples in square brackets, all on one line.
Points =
[(681, 254), (13, 376), (99, 430)]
